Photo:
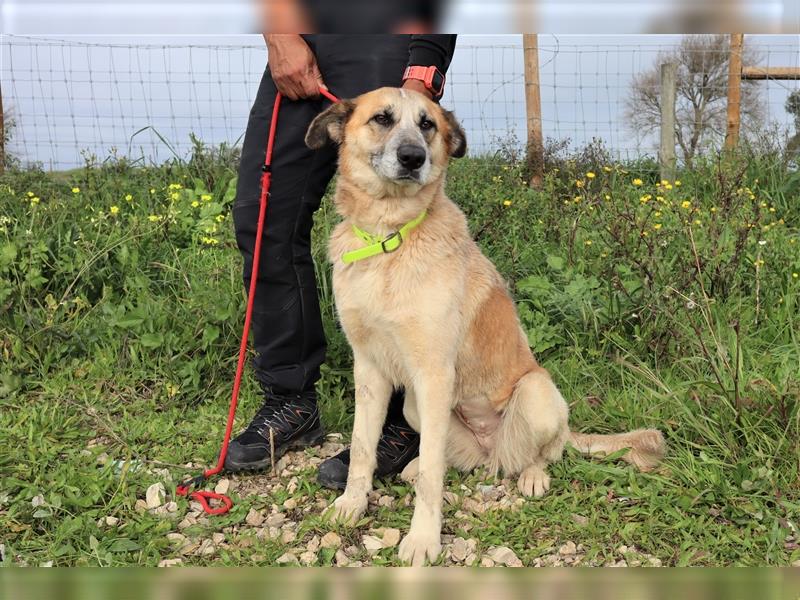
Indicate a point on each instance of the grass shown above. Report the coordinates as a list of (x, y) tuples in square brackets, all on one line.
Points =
[(119, 327)]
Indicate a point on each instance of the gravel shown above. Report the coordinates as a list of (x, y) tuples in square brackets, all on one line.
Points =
[(281, 505)]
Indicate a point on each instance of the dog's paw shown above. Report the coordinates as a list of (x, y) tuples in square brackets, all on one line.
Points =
[(410, 473), (416, 547), (347, 510), (533, 481)]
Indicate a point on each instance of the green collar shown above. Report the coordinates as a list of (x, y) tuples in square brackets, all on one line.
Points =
[(378, 245)]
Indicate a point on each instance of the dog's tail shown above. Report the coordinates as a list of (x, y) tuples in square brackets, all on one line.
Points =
[(646, 447)]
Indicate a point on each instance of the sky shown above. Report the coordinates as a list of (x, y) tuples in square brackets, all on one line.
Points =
[(143, 95)]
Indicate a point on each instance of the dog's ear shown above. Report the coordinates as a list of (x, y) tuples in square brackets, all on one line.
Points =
[(456, 138), (328, 126)]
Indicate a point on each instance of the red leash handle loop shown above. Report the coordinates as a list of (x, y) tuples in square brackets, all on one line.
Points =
[(182, 489)]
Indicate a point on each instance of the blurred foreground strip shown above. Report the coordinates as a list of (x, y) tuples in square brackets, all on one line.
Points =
[(380, 584)]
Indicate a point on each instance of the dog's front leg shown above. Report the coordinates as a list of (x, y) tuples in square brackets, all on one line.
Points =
[(373, 391), (434, 388)]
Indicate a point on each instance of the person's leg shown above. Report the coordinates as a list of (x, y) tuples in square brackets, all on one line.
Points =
[(286, 323)]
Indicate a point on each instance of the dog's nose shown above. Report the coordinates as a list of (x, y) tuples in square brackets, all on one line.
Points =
[(411, 156)]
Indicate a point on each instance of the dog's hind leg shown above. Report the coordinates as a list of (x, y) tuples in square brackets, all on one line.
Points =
[(532, 433), (373, 391)]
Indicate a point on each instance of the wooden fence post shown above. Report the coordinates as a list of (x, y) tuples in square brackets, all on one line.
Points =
[(533, 107), (666, 153), (2, 136), (734, 90)]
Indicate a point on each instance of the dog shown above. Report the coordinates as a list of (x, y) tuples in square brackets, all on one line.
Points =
[(425, 310)]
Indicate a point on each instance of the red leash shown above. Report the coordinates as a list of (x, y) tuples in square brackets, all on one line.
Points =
[(203, 496)]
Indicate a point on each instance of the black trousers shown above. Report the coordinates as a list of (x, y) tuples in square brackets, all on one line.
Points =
[(286, 324)]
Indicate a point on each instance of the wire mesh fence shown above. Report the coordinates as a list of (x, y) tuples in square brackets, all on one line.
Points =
[(66, 99)]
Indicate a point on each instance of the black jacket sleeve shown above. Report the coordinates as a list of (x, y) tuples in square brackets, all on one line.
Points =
[(427, 50)]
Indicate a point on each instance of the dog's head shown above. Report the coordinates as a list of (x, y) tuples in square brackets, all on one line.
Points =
[(391, 141)]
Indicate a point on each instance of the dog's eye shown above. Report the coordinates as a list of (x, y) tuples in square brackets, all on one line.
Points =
[(382, 119), (427, 124)]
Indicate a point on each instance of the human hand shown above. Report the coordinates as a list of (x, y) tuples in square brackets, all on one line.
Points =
[(293, 66)]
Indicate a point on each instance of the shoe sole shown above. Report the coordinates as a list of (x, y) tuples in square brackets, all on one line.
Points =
[(310, 438)]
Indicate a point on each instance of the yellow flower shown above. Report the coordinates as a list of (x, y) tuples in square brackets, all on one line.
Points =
[(506, 202), (76, 190), (210, 241), (607, 169), (31, 194), (220, 218), (772, 209), (668, 187), (114, 210), (577, 199), (128, 197), (608, 197), (795, 275), (686, 204), (579, 183), (657, 226), (763, 205), (35, 200), (175, 186), (154, 218), (590, 175), (645, 234), (174, 196), (713, 209), (195, 204), (645, 199), (588, 242), (657, 213), (664, 182), (698, 222), (637, 181), (205, 197), (152, 190), (677, 183)]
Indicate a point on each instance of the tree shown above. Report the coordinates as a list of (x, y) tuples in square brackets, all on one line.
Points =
[(701, 94)]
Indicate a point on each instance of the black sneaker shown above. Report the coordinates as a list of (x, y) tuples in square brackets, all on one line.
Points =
[(398, 446), (294, 421)]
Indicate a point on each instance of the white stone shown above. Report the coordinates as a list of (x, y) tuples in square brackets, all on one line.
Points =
[(222, 487), (254, 518), (504, 556), (308, 558), (459, 549), (331, 540), (391, 537), (154, 497), (275, 520), (286, 558), (372, 543), (568, 549), (170, 562)]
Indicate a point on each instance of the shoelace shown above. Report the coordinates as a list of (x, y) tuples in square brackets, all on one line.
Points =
[(394, 433), (275, 404)]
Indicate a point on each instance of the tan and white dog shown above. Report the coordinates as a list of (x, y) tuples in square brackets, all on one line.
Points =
[(430, 313)]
